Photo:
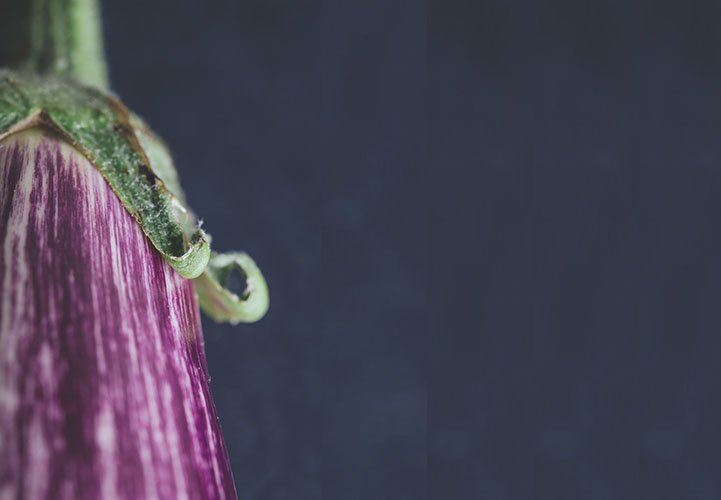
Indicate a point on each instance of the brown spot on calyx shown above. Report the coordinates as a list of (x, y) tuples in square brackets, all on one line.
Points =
[(122, 129), (148, 173), (125, 127)]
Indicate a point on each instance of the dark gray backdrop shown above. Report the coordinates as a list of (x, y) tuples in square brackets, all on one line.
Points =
[(299, 133), (492, 232)]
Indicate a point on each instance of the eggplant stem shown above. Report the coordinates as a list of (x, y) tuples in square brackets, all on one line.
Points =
[(54, 36)]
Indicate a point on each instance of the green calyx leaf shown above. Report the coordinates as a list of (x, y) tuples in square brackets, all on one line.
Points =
[(222, 304), (101, 128), (138, 167)]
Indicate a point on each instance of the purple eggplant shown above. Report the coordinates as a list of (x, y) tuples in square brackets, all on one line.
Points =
[(104, 389), (103, 383)]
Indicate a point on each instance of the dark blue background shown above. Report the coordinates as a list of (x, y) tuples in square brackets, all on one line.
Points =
[(299, 130), (492, 232)]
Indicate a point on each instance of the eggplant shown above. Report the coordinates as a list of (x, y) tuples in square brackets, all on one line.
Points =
[(104, 390), (104, 387)]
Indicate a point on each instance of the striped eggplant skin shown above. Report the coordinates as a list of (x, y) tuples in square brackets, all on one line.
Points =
[(104, 389)]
